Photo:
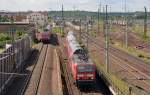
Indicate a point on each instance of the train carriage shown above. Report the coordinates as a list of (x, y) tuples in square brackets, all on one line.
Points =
[(82, 67), (43, 36)]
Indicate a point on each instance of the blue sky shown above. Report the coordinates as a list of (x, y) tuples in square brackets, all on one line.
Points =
[(90, 5)]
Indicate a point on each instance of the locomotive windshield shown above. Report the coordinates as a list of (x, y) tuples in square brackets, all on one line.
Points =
[(87, 69)]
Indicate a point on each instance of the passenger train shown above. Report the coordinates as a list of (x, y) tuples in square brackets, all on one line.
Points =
[(45, 35), (81, 66)]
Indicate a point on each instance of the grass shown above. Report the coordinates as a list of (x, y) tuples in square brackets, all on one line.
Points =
[(59, 31), (133, 51), (93, 33), (114, 29), (120, 84), (20, 34), (139, 29), (101, 22), (111, 78), (6, 38), (1, 50)]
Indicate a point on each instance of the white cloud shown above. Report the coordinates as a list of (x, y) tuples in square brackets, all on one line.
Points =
[(116, 5), (139, 4)]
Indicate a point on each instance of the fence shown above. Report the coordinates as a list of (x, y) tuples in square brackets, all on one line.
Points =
[(12, 61)]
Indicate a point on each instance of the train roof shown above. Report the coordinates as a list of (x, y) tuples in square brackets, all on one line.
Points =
[(78, 53), (75, 46), (70, 33), (82, 58), (71, 37)]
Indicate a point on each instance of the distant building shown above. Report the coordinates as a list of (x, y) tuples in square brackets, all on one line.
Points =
[(6, 15), (39, 18), (15, 16)]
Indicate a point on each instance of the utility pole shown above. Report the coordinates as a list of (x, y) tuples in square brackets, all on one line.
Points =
[(62, 26), (87, 31), (74, 9), (99, 11), (145, 23), (126, 26), (104, 20), (80, 29), (12, 30), (106, 41)]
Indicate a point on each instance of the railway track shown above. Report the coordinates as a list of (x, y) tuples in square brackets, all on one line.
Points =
[(49, 82), (32, 69), (72, 89), (132, 65), (41, 73), (32, 83)]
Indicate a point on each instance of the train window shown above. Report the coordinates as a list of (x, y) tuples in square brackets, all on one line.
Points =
[(87, 68)]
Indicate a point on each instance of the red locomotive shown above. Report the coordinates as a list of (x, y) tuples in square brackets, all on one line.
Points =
[(82, 67), (43, 36)]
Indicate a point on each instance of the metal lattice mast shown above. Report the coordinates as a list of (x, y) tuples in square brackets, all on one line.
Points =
[(104, 20), (62, 18), (99, 11), (80, 29), (126, 26), (145, 23), (106, 40), (87, 31)]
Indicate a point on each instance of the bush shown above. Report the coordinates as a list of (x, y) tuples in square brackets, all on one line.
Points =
[(148, 57), (4, 37), (141, 56), (62, 34), (36, 41), (57, 30), (20, 34)]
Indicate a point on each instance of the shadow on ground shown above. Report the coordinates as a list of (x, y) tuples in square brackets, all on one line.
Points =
[(54, 40), (98, 87)]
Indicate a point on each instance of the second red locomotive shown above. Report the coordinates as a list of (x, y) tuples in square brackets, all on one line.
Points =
[(82, 67), (45, 35)]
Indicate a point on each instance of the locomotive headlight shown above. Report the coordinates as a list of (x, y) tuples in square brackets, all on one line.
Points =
[(91, 78), (89, 75), (80, 76)]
